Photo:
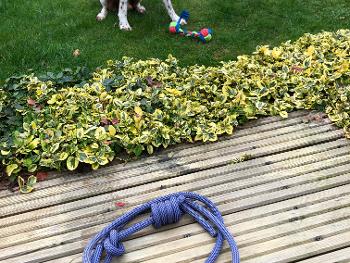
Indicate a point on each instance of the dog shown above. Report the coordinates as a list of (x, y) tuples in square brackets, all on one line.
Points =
[(123, 5)]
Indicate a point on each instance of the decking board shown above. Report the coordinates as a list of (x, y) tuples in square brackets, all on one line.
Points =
[(295, 187), (297, 164)]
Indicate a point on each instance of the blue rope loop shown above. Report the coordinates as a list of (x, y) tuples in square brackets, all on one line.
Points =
[(185, 15), (164, 210)]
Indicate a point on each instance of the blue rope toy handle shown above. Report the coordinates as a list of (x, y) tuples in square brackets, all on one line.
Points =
[(164, 210)]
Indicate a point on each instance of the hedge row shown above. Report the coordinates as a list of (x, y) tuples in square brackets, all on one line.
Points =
[(60, 120)]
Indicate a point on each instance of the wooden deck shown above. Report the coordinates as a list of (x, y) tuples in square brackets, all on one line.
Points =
[(289, 203)]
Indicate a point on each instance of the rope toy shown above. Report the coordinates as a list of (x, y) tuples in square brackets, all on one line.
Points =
[(164, 210), (205, 35)]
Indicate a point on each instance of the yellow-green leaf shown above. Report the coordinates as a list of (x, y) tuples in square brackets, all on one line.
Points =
[(52, 100), (34, 143), (72, 163), (80, 133), (112, 131), (32, 168), (95, 166), (174, 92), (3, 152), (28, 187), (94, 145), (63, 156), (100, 133), (11, 168), (138, 111), (283, 114), (150, 149)]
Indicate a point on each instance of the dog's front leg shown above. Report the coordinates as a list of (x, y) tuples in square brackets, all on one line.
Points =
[(102, 15), (123, 15), (173, 16)]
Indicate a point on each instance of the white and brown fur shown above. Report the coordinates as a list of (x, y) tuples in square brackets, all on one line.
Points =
[(123, 5)]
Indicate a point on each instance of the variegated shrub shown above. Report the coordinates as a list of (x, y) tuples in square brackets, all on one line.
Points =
[(141, 105)]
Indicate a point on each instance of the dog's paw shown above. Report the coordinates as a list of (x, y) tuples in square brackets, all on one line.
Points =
[(100, 17), (125, 26), (141, 9)]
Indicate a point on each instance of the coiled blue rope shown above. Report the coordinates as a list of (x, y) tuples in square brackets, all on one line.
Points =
[(164, 210)]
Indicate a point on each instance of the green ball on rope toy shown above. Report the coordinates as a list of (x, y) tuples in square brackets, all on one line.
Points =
[(204, 35)]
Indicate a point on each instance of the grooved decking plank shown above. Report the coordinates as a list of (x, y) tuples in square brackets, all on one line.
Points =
[(339, 256), (5, 241), (144, 197), (282, 249), (270, 197), (338, 194), (271, 159), (331, 242), (211, 179), (201, 246), (173, 167), (297, 252), (296, 184), (101, 185), (246, 233)]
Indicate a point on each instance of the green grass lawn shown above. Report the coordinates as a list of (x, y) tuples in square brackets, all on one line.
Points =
[(41, 35)]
